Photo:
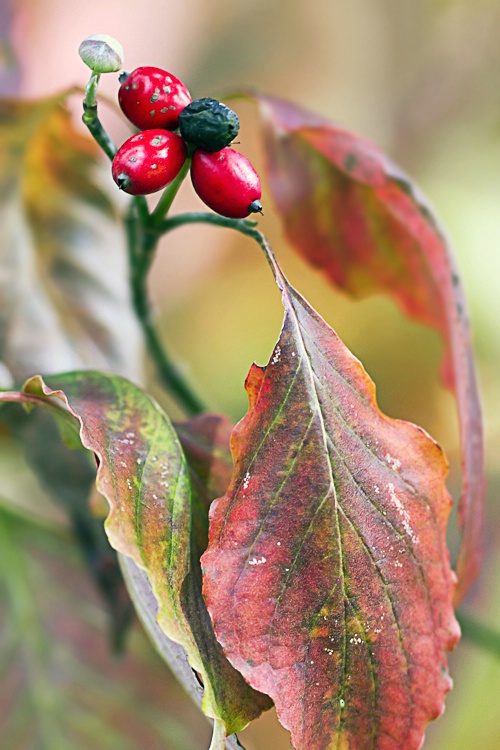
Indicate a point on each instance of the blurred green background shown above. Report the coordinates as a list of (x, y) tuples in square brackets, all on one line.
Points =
[(421, 80)]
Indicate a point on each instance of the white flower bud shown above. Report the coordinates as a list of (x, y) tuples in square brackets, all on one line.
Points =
[(101, 53)]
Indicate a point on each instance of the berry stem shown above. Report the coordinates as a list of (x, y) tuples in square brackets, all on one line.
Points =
[(244, 226), (91, 119), (142, 240), (143, 231), (91, 89), (163, 206)]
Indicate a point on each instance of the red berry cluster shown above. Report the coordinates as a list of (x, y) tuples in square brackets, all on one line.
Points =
[(158, 103)]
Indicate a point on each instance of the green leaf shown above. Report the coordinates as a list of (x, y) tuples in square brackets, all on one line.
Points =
[(65, 300), (327, 574), (144, 476), (354, 215)]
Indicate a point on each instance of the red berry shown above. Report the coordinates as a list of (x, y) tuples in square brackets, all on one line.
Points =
[(153, 98), (148, 161), (226, 182)]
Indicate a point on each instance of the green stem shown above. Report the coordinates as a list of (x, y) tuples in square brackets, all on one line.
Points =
[(91, 119), (142, 242), (91, 89), (93, 123), (141, 205), (479, 634), (244, 226), (143, 232), (168, 195)]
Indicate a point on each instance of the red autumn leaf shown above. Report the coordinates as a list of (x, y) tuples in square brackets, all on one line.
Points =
[(327, 574), (357, 217), (205, 442)]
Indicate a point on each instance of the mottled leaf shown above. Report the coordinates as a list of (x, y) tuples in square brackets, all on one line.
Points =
[(327, 574), (205, 442), (358, 218), (144, 476), (64, 298)]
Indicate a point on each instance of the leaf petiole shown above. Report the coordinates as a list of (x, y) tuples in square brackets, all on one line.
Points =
[(32, 399), (244, 226), (163, 206)]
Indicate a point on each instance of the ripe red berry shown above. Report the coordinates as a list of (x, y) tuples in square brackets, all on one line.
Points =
[(153, 98), (148, 161), (226, 182)]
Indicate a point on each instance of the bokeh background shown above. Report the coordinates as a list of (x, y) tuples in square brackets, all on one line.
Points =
[(420, 79)]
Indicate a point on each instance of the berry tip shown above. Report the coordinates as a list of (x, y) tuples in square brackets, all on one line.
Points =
[(122, 181), (255, 207)]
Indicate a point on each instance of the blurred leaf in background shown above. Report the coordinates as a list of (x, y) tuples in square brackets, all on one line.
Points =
[(62, 303), (60, 687), (64, 299), (419, 79)]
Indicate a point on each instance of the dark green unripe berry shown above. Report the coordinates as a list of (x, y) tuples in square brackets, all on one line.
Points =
[(208, 124)]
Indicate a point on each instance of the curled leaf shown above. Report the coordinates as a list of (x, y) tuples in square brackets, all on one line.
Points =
[(354, 215), (144, 475)]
